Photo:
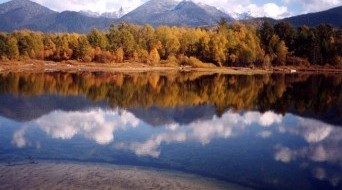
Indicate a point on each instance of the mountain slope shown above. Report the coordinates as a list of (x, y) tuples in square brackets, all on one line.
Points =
[(259, 21), (70, 21), (191, 14), (332, 16), (24, 14), (113, 15), (17, 13), (149, 10), (168, 12), (33, 9)]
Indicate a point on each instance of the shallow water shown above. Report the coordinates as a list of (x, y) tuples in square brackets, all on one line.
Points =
[(71, 175), (261, 131)]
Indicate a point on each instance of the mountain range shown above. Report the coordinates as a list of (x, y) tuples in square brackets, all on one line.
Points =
[(114, 14), (170, 12), (25, 14)]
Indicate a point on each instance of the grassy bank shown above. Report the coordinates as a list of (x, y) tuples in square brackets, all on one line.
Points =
[(127, 67)]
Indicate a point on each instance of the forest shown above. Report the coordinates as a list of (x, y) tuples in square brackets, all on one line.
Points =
[(232, 45)]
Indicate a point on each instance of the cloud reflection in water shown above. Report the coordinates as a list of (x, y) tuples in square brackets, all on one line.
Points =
[(324, 144), (98, 125), (19, 139), (324, 141), (228, 125)]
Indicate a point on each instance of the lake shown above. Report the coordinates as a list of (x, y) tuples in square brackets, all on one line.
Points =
[(279, 131)]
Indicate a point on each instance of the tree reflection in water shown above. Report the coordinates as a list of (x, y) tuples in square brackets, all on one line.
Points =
[(302, 94)]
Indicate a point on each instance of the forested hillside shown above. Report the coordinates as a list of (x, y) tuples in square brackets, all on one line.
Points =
[(225, 45)]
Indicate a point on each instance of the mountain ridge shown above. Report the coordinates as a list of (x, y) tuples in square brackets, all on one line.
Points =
[(331, 16), (16, 14), (170, 12), (25, 14), (113, 15)]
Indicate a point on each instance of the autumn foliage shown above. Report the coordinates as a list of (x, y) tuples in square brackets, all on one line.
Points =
[(225, 45)]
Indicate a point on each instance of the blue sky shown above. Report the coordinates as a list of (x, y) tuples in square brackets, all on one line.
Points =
[(274, 8)]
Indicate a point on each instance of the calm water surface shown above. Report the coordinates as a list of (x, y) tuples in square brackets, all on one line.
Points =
[(262, 131)]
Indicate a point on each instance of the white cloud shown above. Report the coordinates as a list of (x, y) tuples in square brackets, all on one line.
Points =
[(284, 154), (323, 140), (269, 118), (172, 126), (322, 152), (266, 10), (312, 130), (319, 154), (317, 134), (203, 131), (265, 134), (93, 5), (325, 152), (234, 7), (224, 127), (97, 125), (275, 11), (19, 139), (151, 146)]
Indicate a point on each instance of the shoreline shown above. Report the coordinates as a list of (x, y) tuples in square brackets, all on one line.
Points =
[(75, 175), (75, 66)]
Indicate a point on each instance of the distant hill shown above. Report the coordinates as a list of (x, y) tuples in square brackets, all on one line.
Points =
[(170, 12), (259, 21), (33, 10), (70, 21), (16, 14), (25, 14), (149, 11), (331, 16)]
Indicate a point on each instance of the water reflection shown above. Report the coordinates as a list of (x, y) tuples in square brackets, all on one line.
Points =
[(268, 131), (308, 95), (203, 131), (98, 125), (323, 141)]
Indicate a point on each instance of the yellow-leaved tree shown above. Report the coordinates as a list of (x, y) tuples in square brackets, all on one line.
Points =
[(154, 56)]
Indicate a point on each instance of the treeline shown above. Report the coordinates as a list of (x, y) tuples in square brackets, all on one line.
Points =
[(226, 45), (280, 93)]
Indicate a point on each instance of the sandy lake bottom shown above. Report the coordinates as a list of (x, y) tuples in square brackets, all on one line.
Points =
[(49, 175)]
